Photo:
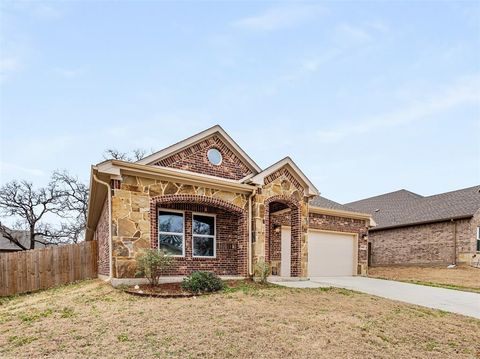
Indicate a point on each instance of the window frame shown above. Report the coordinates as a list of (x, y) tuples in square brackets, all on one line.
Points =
[(205, 235), (160, 209), (219, 152)]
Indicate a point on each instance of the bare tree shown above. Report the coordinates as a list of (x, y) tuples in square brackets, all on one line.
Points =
[(20, 200), (74, 205), (114, 154), (136, 155)]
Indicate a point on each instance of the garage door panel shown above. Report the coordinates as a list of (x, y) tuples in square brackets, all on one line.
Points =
[(331, 254)]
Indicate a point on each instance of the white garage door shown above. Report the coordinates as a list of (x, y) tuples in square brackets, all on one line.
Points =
[(331, 254)]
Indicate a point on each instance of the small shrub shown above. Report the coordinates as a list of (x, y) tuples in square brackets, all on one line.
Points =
[(122, 337), (151, 263), (202, 282), (262, 271)]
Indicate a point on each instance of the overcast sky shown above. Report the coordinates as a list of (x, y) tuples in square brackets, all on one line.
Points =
[(365, 97)]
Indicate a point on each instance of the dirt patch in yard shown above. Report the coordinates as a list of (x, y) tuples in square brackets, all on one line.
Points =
[(92, 319), (462, 277)]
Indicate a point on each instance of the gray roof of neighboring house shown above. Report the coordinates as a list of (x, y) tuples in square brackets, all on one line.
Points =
[(319, 201), (402, 208)]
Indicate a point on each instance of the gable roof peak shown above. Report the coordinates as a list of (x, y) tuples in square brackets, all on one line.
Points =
[(286, 161), (190, 141)]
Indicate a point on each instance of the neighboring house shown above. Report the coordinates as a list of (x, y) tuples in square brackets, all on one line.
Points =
[(412, 229), (208, 204), (23, 238)]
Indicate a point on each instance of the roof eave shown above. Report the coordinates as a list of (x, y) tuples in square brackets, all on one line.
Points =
[(342, 213), (412, 224)]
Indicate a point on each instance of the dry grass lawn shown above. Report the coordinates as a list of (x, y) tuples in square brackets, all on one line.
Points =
[(91, 319), (462, 277)]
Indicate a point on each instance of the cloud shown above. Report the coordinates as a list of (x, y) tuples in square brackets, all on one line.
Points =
[(348, 32), (280, 17), (465, 91), (8, 65), (68, 73)]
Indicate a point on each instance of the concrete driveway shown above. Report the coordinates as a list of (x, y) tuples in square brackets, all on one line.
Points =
[(437, 298)]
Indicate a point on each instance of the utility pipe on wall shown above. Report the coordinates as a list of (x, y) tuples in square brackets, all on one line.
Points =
[(454, 242), (250, 243), (110, 249)]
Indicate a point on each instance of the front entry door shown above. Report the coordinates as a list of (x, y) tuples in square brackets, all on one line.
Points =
[(286, 249)]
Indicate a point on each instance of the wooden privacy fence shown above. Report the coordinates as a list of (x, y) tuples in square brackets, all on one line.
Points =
[(27, 271)]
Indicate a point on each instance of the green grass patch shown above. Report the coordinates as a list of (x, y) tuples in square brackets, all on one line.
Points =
[(18, 341), (31, 317)]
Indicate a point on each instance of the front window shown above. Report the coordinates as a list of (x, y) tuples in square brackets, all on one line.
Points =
[(203, 230), (171, 232)]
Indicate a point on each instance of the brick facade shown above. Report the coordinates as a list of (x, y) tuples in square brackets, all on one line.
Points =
[(425, 244), (231, 242), (322, 222), (102, 237), (195, 159)]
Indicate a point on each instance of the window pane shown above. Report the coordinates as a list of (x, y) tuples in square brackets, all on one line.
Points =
[(203, 246), (170, 222), (171, 244), (203, 225)]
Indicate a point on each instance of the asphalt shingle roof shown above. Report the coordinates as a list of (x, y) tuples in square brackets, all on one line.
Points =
[(319, 201), (403, 207)]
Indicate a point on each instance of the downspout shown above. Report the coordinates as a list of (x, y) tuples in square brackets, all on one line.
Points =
[(110, 249), (454, 242), (250, 243)]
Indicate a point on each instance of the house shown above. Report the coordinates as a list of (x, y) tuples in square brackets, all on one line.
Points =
[(209, 205), (413, 229), (23, 237)]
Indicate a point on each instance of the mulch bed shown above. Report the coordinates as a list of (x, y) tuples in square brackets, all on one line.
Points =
[(163, 290), (173, 290)]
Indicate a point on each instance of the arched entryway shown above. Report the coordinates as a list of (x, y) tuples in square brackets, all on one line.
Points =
[(206, 234), (282, 236)]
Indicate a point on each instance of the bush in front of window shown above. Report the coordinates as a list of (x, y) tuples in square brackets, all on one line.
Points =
[(202, 282), (151, 264)]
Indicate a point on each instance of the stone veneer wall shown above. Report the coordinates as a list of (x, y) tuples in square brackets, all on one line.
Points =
[(425, 244), (131, 214), (102, 237), (194, 158), (281, 186)]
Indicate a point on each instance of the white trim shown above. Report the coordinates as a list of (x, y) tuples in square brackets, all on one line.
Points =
[(206, 235), (215, 130), (342, 213), (286, 162), (174, 174), (160, 209)]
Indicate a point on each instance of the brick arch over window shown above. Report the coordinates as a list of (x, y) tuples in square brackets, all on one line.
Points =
[(197, 200), (293, 204)]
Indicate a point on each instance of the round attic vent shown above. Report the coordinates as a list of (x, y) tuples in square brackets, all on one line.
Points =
[(214, 156)]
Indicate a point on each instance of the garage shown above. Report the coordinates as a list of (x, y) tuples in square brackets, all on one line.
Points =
[(331, 254)]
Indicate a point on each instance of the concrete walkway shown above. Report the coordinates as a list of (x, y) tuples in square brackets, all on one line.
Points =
[(450, 300)]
